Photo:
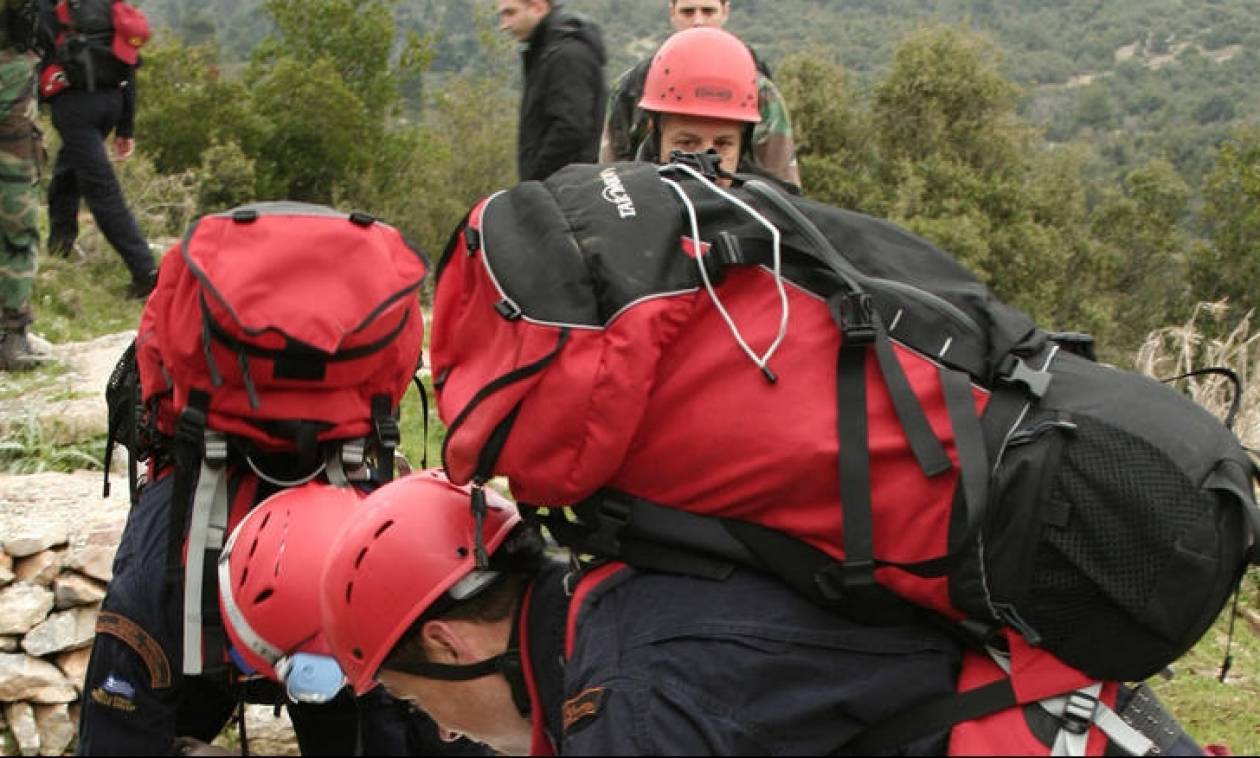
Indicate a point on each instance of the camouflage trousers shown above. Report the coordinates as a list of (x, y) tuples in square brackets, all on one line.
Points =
[(19, 193)]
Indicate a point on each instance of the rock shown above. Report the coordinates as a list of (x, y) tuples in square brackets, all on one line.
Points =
[(74, 665), (32, 539), (25, 678), (66, 630), (41, 568), (97, 561), (22, 606), (6, 568), (21, 718), (70, 590), (56, 729), (10, 644)]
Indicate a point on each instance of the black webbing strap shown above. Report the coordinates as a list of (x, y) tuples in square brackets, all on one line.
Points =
[(447, 672), (973, 460), (387, 435), (930, 718), (424, 419), (927, 449), (186, 451), (858, 569)]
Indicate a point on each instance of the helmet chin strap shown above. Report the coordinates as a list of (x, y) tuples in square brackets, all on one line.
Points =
[(507, 664)]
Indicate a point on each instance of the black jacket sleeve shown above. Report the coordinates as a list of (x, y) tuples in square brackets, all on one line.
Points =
[(573, 98), (127, 121)]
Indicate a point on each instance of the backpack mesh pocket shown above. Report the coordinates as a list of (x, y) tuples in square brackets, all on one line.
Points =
[(1125, 549)]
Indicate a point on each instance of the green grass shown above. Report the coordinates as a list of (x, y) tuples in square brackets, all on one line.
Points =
[(1212, 712), (80, 298), (26, 448)]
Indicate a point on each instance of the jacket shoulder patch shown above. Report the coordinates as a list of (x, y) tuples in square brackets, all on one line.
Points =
[(583, 707)]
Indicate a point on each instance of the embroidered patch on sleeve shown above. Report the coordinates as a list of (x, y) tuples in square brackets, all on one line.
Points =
[(583, 707), (133, 636)]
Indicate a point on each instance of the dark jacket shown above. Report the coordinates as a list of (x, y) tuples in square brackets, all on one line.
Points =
[(120, 79), (562, 109), (674, 665)]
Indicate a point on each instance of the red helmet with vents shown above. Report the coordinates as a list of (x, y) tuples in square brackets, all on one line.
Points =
[(269, 576), (705, 72), (412, 543)]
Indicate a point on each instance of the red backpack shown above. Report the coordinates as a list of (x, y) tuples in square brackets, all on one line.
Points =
[(706, 376), (277, 346)]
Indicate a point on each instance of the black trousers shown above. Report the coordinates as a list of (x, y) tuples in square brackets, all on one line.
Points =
[(83, 173)]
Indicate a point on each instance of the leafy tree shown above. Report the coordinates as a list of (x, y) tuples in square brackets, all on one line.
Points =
[(187, 104), (355, 37), (945, 97), (1147, 249), (833, 134), (314, 131), (1230, 267)]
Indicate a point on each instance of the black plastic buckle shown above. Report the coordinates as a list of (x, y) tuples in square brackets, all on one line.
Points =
[(1079, 712), (191, 426), (387, 432), (362, 218), (708, 163), (610, 518), (1036, 382), (472, 240), (245, 215), (724, 252), (509, 310), (854, 313), (1077, 343), (838, 580)]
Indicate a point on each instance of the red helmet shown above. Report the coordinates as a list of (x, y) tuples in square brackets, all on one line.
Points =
[(269, 575), (412, 542), (703, 72)]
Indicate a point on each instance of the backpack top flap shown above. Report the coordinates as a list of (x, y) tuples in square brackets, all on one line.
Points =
[(301, 272), (578, 249)]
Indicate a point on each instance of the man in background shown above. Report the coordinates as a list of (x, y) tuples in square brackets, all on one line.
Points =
[(563, 103), (19, 194), (627, 126), (91, 50)]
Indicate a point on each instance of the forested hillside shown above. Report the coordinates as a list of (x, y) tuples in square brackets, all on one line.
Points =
[(1138, 78), (1095, 161)]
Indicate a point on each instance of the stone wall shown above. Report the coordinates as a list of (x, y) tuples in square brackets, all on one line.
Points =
[(51, 586)]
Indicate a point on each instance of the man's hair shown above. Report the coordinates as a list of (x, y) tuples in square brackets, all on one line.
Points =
[(519, 558)]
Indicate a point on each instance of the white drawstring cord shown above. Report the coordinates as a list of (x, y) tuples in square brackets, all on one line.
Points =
[(762, 361)]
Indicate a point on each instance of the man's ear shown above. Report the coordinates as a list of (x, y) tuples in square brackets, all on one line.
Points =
[(443, 643)]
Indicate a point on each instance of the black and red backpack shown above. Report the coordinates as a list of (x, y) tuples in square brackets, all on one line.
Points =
[(275, 350), (96, 43), (682, 377)]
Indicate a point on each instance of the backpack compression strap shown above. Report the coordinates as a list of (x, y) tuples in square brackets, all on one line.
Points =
[(1077, 712)]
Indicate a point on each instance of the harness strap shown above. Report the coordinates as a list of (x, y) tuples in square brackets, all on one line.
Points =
[(206, 534), (973, 459), (858, 569), (935, 716), (186, 451), (387, 435)]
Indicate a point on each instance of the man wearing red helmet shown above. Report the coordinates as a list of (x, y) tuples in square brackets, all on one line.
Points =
[(701, 94), (458, 610), (769, 146)]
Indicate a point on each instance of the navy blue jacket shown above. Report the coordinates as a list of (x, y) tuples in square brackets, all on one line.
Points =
[(666, 664)]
